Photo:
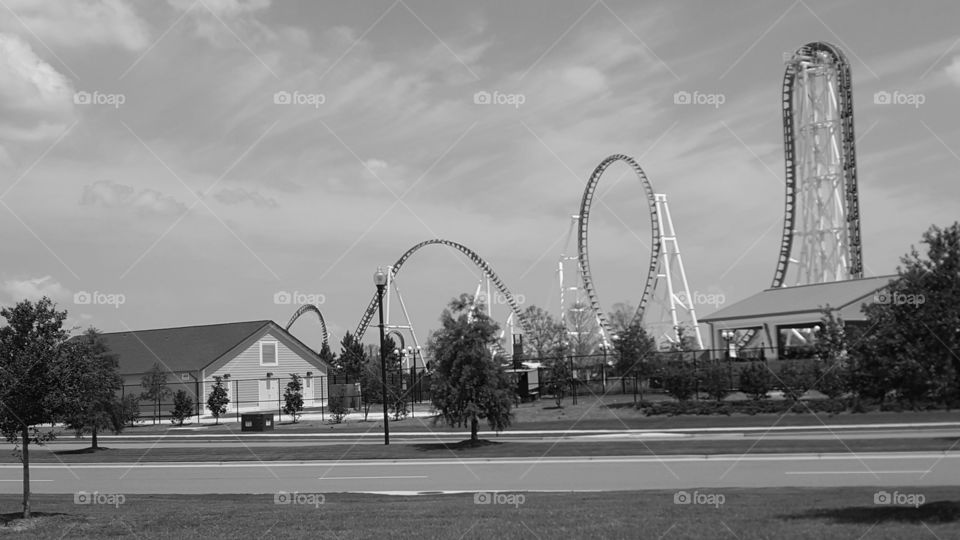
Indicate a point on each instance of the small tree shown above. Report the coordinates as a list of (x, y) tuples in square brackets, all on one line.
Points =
[(680, 380), (468, 384), (560, 379), (293, 397), (716, 381), (218, 400), (182, 407), (155, 389), (756, 380)]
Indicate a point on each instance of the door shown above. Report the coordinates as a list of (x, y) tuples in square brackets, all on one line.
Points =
[(269, 394), (308, 392)]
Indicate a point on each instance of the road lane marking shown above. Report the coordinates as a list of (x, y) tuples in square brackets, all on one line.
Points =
[(856, 472), (367, 477)]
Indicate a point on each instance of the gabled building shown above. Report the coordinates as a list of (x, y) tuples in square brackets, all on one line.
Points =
[(782, 323), (255, 358)]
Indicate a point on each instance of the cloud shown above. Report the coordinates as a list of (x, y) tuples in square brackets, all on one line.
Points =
[(222, 22), (953, 71), (36, 102), (34, 289), (240, 195), (108, 194), (81, 22)]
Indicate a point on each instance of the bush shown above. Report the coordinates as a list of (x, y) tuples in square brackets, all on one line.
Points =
[(673, 408), (293, 398), (182, 407), (796, 378), (716, 381), (338, 408), (756, 380), (831, 379), (680, 380)]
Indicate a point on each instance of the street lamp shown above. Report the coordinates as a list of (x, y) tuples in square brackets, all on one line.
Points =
[(380, 280), (728, 336)]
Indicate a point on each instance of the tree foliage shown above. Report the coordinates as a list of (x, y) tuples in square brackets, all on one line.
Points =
[(155, 390), (468, 385), (635, 348), (182, 407), (89, 375), (756, 380), (31, 389), (293, 397), (545, 335), (218, 400), (352, 357)]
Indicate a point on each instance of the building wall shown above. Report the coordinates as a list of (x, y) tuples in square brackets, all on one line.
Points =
[(246, 375)]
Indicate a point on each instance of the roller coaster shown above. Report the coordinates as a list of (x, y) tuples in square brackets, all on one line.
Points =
[(821, 225), (821, 229)]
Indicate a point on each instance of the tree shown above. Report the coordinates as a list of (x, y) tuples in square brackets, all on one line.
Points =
[(583, 333), (154, 385), (545, 335), (218, 400), (352, 357), (327, 355), (468, 385), (831, 373), (92, 382), (182, 407), (756, 380), (293, 397), (634, 346), (30, 386), (561, 377), (796, 377)]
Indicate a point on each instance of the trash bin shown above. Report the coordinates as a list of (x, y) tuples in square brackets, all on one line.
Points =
[(256, 422)]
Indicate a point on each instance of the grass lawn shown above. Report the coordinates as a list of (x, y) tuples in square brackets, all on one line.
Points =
[(784, 514), (504, 449), (609, 412)]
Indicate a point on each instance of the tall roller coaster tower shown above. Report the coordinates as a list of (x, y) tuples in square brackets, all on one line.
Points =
[(821, 229)]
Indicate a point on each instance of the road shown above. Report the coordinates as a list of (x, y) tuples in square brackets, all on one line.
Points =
[(886, 470)]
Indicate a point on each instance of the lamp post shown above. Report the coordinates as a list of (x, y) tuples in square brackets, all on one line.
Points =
[(380, 280), (727, 336)]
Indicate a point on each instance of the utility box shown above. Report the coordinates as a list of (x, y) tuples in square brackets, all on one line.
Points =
[(256, 422)]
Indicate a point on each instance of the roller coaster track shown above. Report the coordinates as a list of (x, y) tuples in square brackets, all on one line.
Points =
[(847, 153), (303, 309), (582, 248), (474, 258)]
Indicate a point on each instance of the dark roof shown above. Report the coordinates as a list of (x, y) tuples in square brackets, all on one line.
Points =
[(802, 298), (187, 348)]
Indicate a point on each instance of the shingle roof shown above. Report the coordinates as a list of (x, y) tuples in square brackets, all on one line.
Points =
[(187, 348), (802, 298)]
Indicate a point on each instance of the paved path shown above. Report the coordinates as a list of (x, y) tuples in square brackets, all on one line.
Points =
[(882, 470)]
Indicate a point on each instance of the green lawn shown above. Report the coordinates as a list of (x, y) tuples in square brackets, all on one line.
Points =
[(785, 514), (610, 412), (429, 450)]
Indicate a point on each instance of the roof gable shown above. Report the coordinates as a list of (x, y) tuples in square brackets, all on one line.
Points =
[(803, 298)]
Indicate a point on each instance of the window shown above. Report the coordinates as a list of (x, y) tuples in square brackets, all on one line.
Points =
[(268, 353)]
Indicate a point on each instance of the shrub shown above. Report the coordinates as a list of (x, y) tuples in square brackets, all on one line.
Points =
[(182, 407), (680, 380), (796, 378), (338, 408), (293, 398), (716, 381), (831, 378), (756, 380)]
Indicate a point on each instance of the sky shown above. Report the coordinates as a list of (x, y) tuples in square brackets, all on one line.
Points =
[(196, 162)]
